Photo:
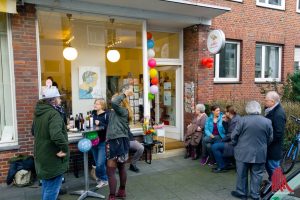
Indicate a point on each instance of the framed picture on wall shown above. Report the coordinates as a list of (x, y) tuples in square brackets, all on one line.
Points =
[(89, 82)]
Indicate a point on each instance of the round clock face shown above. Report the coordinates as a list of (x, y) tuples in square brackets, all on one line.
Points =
[(165, 51)]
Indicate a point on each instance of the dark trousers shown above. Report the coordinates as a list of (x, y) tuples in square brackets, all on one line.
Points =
[(256, 175), (206, 145)]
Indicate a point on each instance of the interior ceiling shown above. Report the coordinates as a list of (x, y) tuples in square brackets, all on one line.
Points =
[(57, 27)]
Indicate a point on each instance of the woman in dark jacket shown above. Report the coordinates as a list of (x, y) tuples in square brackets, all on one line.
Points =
[(100, 118), (117, 146)]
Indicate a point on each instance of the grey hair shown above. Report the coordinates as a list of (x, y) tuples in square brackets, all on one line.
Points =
[(253, 107), (274, 96), (200, 107), (124, 88)]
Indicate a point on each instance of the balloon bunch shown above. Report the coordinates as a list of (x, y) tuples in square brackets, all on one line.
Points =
[(207, 62), (152, 65), (85, 144)]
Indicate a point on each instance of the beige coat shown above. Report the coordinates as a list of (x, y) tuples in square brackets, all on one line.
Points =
[(193, 137)]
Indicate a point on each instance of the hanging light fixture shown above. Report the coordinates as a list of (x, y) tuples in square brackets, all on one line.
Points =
[(113, 55), (70, 53)]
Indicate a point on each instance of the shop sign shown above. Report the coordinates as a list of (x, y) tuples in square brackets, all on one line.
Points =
[(215, 41)]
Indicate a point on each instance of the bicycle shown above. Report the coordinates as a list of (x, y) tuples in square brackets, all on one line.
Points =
[(290, 156)]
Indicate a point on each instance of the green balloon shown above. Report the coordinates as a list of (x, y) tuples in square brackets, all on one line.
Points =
[(92, 135), (151, 96)]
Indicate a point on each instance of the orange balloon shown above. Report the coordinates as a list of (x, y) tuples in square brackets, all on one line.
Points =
[(154, 81), (149, 36)]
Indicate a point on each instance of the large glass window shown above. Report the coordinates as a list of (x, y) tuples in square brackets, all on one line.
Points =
[(267, 63), (7, 103), (91, 75), (227, 63), (298, 6), (277, 4), (166, 44)]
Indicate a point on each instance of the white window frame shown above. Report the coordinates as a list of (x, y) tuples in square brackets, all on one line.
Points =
[(268, 5), (263, 50), (14, 142), (217, 79), (296, 57), (237, 0), (297, 8)]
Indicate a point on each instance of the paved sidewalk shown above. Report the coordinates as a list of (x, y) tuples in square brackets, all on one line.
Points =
[(166, 179)]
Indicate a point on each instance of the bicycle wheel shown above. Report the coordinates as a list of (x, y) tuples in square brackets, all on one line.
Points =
[(289, 159)]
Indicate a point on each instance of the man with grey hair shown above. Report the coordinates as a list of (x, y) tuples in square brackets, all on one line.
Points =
[(250, 139), (276, 114)]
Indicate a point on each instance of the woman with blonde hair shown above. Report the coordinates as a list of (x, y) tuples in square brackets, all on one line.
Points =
[(117, 145), (100, 118)]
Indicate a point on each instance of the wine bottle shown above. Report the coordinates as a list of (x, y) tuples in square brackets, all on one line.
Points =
[(77, 123)]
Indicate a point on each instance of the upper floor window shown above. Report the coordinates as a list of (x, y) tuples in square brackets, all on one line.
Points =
[(237, 0), (227, 63), (276, 4), (8, 129), (298, 6), (297, 60), (268, 63)]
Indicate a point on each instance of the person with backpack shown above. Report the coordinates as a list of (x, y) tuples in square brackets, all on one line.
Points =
[(100, 118)]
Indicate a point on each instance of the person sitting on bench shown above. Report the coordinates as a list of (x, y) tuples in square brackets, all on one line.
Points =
[(138, 150)]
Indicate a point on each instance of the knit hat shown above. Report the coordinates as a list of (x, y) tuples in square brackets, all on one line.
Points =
[(50, 92)]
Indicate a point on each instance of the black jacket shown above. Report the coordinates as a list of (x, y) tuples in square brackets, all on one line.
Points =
[(228, 148), (104, 119), (278, 118)]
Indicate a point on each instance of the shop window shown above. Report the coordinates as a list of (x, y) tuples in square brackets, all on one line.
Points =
[(268, 63), (166, 45), (276, 4), (91, 75), (297, 60), (7, 103), (227, 63)]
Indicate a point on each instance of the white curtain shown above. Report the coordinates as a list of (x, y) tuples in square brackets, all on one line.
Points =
[(6, 118)]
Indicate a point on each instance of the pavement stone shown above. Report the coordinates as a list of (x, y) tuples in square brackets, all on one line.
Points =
[(172, 178)]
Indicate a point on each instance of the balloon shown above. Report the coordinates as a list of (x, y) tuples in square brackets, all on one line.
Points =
[(154, 81), (95, 142), (209, 65), (152, 63), (92, 135), (84, 145), (151, 96), (151, 53), (149, 36), (210, 60), (153, 73), (154, 89), (150, 44), (204, 61)]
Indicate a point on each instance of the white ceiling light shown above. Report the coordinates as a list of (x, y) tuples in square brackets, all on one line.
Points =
[(113, 55), (70, 53)]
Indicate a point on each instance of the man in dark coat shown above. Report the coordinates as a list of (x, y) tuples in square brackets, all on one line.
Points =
[(225, 148), (250, 139), (276, 114)]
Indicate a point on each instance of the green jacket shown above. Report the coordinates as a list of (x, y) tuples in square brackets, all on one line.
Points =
[(50, 137), (118, 125)]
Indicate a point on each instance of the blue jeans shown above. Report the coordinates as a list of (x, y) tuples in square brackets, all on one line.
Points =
[(217, 149), (50, 188), (271, 165), (100, 160)]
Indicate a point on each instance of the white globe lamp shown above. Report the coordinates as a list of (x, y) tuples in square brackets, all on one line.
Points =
[(70, 53), (113, 55)]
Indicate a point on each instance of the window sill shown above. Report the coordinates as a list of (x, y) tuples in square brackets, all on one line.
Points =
[(280, 8), (8, 148), (229, 81)]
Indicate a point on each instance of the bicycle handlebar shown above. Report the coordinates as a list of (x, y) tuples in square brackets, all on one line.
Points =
[(295, 119)]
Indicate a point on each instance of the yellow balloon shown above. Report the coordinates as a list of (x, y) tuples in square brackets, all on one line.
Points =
[(153, 73)]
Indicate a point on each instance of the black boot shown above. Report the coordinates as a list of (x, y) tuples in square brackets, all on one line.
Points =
[(187, 153)]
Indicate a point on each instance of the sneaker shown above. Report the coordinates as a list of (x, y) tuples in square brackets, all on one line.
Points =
[(102, 184), (238, 195), (204, 160)]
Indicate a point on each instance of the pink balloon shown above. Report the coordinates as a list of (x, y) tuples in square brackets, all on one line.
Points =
[(152, 63), (154, 89), (95, 142)]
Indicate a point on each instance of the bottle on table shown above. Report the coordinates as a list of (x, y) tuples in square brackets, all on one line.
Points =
[(71, 121), (81, 119), (77, 122), (91, 120)]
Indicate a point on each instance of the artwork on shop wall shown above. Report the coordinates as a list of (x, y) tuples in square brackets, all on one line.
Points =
[(167, 98), (89, 82)]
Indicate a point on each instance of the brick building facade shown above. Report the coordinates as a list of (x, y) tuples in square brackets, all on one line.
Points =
[(246, 23)]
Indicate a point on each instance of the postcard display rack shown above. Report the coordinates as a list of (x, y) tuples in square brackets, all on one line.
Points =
[(135, 100)]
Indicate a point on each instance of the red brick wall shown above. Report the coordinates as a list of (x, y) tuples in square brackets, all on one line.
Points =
[(26, 82), (248, 24)]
